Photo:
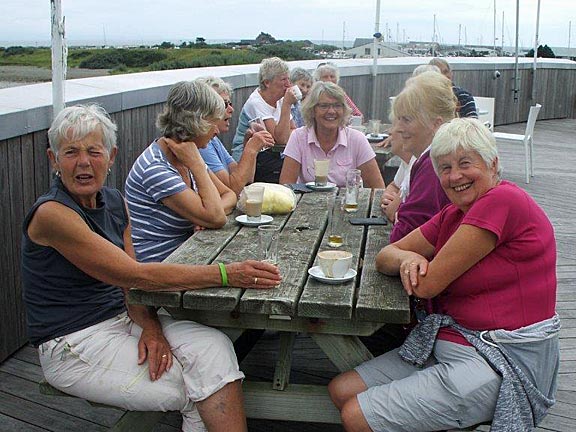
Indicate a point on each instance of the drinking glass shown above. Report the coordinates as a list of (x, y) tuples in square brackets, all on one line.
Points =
[(353, 185), (254, 200), (321, 167), (268, 236), (335, 204)]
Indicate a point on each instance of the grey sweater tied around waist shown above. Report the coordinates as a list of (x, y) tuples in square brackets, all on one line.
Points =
[(525, 395)]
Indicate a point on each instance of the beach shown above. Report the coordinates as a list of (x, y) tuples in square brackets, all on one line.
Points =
[(14, 76)]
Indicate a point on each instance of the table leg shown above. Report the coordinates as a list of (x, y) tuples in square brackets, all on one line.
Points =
[(284, 362), (346, 352)]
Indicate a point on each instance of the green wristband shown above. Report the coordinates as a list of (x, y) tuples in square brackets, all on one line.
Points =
[(223, 274)]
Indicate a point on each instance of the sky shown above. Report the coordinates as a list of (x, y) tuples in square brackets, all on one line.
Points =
[(144, 21)]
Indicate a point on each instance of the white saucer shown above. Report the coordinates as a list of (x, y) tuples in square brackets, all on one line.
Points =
[(376, 138), (317, 273), (264, 219), (313, 186)]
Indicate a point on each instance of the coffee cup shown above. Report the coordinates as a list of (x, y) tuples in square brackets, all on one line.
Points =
[(297, 92), (334, 263)]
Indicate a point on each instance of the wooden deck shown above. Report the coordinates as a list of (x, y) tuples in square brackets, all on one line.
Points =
[(22, 408)]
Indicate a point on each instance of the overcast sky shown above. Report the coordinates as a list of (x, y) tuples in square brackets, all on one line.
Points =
[(113, 21)]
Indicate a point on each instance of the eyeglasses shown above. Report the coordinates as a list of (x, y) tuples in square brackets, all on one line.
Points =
[(227, 103), (337, 106)]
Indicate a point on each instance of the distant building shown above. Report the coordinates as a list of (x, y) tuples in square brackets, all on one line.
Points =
[(363, 49), (564, 53)]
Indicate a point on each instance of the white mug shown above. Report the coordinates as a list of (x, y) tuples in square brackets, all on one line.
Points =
[(297, 92), (335, 263)]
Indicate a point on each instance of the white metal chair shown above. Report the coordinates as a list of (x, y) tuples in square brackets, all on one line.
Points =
[(527, 139), (485, 108)]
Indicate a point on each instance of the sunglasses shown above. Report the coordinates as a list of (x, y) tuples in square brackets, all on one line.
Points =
[(227, 103)]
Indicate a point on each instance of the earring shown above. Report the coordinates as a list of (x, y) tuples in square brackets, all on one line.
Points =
[(57, 173), (109, 171)]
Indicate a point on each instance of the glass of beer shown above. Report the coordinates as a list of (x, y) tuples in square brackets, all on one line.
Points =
[(353, 184), (254, 199), (321, 172), (335, 219)]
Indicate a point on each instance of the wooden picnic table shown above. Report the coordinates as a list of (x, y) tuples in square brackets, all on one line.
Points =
[(333, 315)]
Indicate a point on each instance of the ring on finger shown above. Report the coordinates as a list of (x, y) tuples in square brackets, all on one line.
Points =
[(255, 281), (407, 271), (164, 356)]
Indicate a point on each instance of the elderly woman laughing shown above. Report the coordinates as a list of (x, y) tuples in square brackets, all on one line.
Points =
[(486, 267)]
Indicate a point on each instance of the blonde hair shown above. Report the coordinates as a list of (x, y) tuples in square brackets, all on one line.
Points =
[(426, 97), (329, 89)]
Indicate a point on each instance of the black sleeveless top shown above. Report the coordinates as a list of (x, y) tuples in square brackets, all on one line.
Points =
[(60, 298)]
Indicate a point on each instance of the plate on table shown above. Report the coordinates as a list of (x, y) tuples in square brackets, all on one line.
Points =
[(376, 138), (264, 219), (312, 185), (317, 273)]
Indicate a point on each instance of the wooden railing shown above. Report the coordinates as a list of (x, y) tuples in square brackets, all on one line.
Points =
[(135, 100)]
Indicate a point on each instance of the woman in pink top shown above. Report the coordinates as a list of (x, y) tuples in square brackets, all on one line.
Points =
[(326, 136), (488, 261)]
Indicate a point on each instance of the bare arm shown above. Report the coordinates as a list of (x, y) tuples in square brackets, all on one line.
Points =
[(104, 261), (242, 173), (427, 277), (290, 171), (211, 202), (281, 131), (371, 175)]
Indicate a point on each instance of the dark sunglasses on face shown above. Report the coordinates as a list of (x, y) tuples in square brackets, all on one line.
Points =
[(227, 103)]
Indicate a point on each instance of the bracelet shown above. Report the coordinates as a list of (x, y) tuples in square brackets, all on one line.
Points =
[(223, 274)]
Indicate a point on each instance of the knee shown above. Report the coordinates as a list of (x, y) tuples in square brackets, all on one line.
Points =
[(337, 390), (352, 417)]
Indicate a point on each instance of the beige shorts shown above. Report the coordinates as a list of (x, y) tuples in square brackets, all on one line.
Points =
[(100, 364)]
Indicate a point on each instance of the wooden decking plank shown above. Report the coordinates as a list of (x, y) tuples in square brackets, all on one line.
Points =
[(15, 425), (48, 418)]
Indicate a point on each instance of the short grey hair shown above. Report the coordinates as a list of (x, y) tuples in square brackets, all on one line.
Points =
[(189, 111), (329, 89), (440, 63), (270, 68), (76, 122), (299, 73), (218, 84), (470, 134), (425, 68), (326, 67)]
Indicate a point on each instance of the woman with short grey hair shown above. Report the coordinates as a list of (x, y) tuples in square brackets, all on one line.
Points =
[(169, 190), (271, 103), (329, 72), (326, 136)]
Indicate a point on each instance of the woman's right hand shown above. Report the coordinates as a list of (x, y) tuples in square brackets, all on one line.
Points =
[(260, 140), (186, 152), (253, 274)]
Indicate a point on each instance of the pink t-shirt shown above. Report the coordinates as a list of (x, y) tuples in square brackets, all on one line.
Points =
[(350, 151), (515, 284)]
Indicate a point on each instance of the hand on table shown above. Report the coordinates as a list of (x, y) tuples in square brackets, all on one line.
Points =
[(386, 143), (154, 347), (253, 274)]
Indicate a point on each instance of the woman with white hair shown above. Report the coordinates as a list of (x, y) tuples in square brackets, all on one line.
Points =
[(303, 79), (484, 268), (78, 263), (326, 136), (271, 102), (329, 72), (169, 190)]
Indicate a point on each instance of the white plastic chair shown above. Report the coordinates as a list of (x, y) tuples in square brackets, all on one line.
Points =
[(485, 108), (527, 139)]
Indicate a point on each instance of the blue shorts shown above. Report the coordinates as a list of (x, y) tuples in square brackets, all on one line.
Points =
[(457, 388)]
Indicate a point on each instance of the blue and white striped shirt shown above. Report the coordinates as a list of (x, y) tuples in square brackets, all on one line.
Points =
[(156, 229)]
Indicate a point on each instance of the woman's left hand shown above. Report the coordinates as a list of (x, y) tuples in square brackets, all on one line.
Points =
[(186, 152), (154, 347), (411, 268)]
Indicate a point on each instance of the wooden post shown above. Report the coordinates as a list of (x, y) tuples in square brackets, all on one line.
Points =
[(59, 54)]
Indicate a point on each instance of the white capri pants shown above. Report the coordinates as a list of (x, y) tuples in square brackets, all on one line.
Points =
[(457, 388), (100, 364)]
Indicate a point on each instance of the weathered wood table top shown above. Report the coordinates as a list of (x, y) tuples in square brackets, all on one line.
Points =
[(333, 315), (353, 306)]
